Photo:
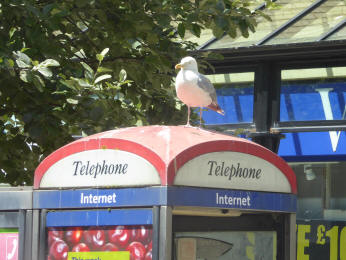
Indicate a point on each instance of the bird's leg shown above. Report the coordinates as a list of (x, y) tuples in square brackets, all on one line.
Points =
[(200, 116), (188, 116)]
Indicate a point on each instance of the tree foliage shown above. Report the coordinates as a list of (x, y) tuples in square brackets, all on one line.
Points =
[(77, 67)]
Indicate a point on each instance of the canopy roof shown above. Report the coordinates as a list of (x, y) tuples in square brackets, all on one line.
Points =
[(295, 21)]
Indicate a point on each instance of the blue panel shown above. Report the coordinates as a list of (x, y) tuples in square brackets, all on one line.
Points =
[(250, 200), (304, 103), (246, 103), (99, 218), (94, 198), (173, 196), (298, 102), (237, 104), (312, 144)]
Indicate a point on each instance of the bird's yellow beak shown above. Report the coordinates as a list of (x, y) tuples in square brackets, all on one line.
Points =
[(178, 66)]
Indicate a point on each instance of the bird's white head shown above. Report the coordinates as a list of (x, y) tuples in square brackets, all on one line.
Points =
[(187, 63)]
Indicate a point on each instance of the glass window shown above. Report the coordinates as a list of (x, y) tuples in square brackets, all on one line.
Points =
[(313, 94), (338, 35), (279, 16), (222, 245), (321, 190), (235, 92), (313, 25)]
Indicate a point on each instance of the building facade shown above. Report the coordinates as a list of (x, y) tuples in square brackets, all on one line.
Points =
[(285, 88)]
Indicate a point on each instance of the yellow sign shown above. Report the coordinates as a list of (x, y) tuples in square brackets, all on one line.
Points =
[(121, 255), (321, 240)]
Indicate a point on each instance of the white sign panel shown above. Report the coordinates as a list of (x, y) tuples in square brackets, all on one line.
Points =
[(232, 170), (101, 168)]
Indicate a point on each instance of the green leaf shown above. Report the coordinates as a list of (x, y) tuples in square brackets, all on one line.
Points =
[(49, 63), (83, 83), (25, 76), (221, 22), (12, 31), (24, 49), (87, 67), (220, 6), (264, 15), (23, 57), (181, 30), (99, 57), (48, 8), (45, 71), (139, 122), (80, 54), (38, 82), (9, 63), (122, 75), (217, 31), (82, 26), (89, 71), (103, 69), (244, 29), (72, 101), (103, 77), (232, 30), (196, 30), (69, 83), (22, 64), (104, 52)]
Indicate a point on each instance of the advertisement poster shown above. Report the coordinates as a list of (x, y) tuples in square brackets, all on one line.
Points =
[(100, 243), (320, 239), (122, 255), (8, 244)]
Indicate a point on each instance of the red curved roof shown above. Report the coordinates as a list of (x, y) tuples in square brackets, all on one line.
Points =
[(167, 148)]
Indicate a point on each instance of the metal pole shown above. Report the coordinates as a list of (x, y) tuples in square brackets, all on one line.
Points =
[(28, 235), (290, 237), (42, 235), (156, 232), (35, 233), (21, 231), (165, 242)]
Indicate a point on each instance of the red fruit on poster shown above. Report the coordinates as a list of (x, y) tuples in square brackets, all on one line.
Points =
[(144, 234), (81, 247), (109, 247), (58, 250), (149, 255), (120, 236), (149, 246), (73, 236), (53, 235), (137, 251), (94, 238), (134, 233)]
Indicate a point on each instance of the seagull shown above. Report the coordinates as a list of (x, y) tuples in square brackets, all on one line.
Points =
[(195, 89)]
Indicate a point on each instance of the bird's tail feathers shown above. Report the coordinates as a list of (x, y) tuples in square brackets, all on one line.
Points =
[(216, 108)]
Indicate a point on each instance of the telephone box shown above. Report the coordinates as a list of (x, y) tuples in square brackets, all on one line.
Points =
[(15, 222), (164, 192)]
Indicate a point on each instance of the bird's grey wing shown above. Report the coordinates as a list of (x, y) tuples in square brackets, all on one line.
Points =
[(204, 83)]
